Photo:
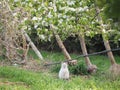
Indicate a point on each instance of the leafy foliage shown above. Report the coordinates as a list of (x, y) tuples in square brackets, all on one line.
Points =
[(111, 12), (111, 8), (79, 69), (69, 16)]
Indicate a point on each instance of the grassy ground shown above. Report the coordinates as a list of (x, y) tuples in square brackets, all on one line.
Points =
[(14, 78)]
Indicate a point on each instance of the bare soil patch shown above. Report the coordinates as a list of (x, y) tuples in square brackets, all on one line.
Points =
[(32, 65)]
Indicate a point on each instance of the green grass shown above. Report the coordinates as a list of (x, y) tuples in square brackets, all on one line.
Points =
[(47, 81), (19, 79)]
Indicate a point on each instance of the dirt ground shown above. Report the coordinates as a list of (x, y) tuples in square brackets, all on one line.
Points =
[(32, 65)]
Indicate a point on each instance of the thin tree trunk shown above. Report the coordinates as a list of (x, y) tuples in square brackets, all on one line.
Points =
[(114, 68), (90, 67), (61, 45), (32, 45), (0, 47), (84, 50), (106, 42)]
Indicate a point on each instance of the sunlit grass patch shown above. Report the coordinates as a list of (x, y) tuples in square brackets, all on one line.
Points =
[(7, 85)]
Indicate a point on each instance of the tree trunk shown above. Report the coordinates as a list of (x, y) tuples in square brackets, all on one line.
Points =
[(61, 45), (90, 67), (32, 45), (84, 50), (106, 42), (110, 54), (114, 68), (0, 47)]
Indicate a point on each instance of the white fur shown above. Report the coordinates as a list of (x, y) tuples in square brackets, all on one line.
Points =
[(64, 72)]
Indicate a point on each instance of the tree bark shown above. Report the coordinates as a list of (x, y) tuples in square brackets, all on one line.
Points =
[(106, 42), (0, 46), (90, 67), (32, 45), (84, 50), (61, 45)]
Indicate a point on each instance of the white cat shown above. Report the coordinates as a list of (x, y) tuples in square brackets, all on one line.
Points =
[(64, 72)]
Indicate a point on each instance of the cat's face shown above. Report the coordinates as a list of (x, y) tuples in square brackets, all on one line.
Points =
[(64, 65)]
